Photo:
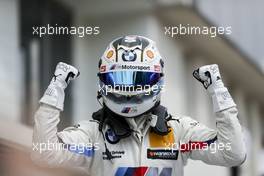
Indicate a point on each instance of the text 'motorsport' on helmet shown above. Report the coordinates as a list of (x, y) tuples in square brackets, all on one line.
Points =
[(131, 75)]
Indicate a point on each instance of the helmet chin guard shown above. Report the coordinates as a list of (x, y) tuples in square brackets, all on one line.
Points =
[(132, 109)]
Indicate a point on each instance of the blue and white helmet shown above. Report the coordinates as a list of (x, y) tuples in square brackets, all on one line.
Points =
[(131, 76)]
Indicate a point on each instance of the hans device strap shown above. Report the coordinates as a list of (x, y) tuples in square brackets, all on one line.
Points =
[(161, 127)]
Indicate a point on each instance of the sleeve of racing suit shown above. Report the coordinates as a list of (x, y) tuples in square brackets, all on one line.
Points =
[(223, 146), (54, 148)]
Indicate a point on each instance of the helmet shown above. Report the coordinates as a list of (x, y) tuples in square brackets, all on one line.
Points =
[(131, 76)]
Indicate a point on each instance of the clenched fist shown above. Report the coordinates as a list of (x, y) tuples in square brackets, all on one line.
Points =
[(210, 77), (64, 73), (54, 94)]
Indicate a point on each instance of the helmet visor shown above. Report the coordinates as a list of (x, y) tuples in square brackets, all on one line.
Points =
[(130, 78)]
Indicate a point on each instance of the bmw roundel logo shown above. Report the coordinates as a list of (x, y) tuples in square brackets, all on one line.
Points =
[(129, 55), (111, 137)]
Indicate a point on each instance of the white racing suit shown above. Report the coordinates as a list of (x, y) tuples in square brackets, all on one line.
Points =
[(144, 153)]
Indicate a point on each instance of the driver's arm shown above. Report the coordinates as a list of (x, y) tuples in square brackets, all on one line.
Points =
[(51, 147), (225, 145)]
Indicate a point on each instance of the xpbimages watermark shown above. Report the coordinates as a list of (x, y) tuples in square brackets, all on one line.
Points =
[(80, 31), (187, 29), (145, 89), (213, 147), (80, 148)]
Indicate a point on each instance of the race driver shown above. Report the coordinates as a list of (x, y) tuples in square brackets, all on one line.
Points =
[(133, 134)]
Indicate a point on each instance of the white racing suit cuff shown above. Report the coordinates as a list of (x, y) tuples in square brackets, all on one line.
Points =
[(221, 99), (54, 96)]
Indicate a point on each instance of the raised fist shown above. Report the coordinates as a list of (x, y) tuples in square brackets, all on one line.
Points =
[(209, 76), (54, 94), (64, 73)]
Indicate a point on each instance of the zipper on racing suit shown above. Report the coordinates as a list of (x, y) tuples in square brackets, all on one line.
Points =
[(140, 149)]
